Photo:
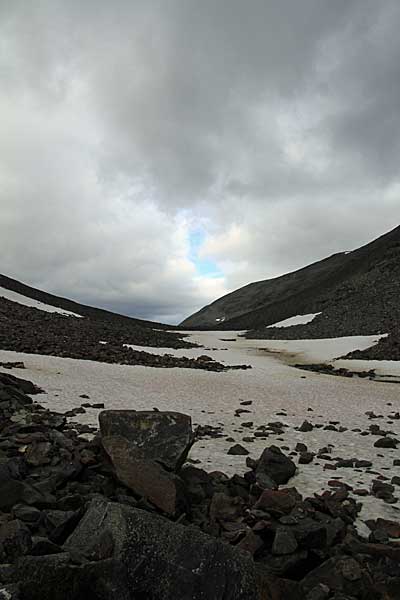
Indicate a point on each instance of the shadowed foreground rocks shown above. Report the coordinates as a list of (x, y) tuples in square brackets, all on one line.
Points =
[(97, 520)]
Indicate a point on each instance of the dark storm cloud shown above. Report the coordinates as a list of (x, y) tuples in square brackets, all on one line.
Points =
[(272, 126)]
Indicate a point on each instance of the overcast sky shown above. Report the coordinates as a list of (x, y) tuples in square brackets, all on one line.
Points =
[(156, 154)]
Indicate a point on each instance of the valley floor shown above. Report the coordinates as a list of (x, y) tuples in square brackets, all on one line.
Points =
[(277, 391)]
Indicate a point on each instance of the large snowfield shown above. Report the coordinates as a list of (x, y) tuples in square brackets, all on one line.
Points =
[(272, 385)]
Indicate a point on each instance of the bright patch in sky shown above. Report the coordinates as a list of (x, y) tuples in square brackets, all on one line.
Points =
[(204, 266)]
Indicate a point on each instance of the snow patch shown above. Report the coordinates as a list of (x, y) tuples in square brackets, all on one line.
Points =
[(297, 320), (323, 350), (25, 301)]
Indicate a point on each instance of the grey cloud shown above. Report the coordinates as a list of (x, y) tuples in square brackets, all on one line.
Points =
[(126, 124)]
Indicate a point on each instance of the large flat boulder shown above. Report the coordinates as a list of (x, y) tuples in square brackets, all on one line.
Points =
[(165, 560), (165, 437)]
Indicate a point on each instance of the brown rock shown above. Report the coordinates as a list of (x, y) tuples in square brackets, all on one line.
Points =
[(392, 528), (251, 543), (279, 501)]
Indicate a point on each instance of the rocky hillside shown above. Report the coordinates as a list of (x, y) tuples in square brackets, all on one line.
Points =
[(70, 305), (356, 292), (388, 348), (97, 335)]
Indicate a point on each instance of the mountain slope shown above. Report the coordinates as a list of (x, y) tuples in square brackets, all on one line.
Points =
[(356, 292), (72, 306), (34, 321)]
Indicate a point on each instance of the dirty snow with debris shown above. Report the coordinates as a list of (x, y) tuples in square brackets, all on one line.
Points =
[(278, 392), (20, 299)]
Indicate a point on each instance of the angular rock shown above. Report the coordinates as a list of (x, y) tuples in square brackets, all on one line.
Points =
[(310, 534), (146, 477), (306, 458), (59, 524), (166, 560), (41, 546), (251, 543), (238, 450), (165, 437), (27, 514), (265, 482), (275, 465), (197, 483), (274, 501), (284, 542), (300, 447), (341, 574), (306, 426)]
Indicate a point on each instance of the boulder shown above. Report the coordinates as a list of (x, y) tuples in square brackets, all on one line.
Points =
[(146, 477), (306, 426), (341, 574), (276, 502), (386, 442), (165, 437), (306, 458), (238, 450), (165, 560), (275, 465), (284, 542), (53, 577), (146, 449)]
